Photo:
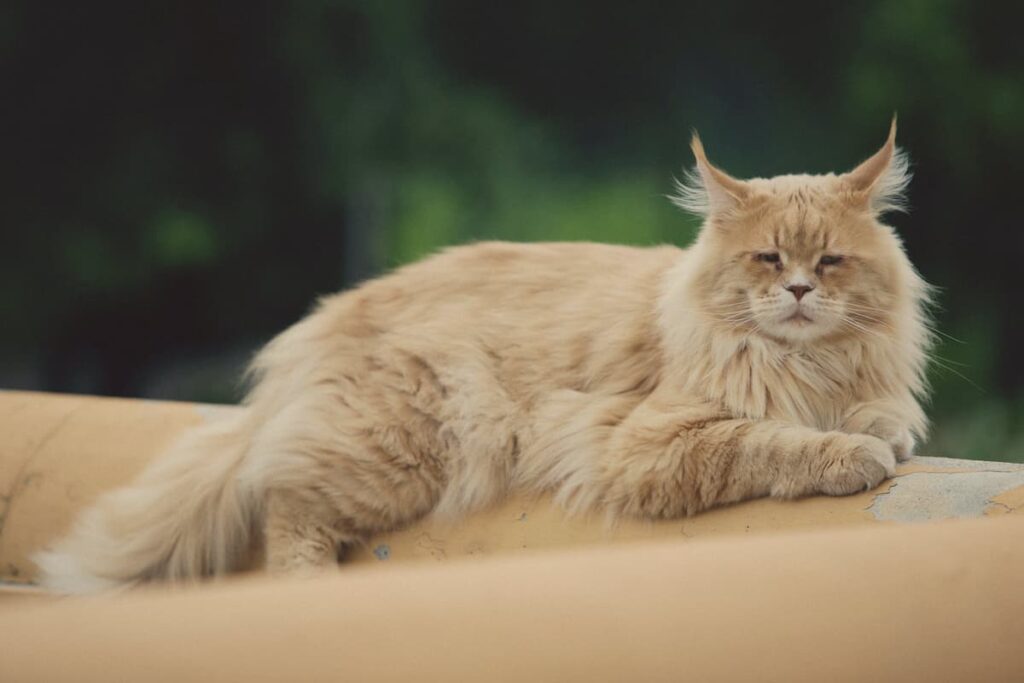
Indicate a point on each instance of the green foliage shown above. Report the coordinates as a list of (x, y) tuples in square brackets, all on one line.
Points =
[(180, 239), (434, 212), (192, 176)]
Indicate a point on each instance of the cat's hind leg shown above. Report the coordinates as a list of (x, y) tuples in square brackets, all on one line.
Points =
[(337, 465), (373, 440), (302, 532)]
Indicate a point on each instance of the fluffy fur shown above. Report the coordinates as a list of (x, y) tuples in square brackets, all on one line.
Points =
[(641, 382)]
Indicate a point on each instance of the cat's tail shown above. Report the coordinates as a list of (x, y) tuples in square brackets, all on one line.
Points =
[(188, 515)]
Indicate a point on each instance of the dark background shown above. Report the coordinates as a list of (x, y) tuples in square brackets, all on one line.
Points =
[(181, 180)]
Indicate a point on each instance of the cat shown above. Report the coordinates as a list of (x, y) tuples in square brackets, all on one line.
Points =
[(782, 354)]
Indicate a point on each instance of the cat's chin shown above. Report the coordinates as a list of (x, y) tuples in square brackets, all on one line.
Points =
[(798, 328)]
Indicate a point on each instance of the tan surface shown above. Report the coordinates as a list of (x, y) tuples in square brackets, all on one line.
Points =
[(57, 453), (939, 602)]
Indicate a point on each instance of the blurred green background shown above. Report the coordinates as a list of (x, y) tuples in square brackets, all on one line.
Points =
[(182, 179)]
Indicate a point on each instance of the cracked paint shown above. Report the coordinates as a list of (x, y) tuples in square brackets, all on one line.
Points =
[(23, 477), (434, 546), (927, 496), (1007, 502)]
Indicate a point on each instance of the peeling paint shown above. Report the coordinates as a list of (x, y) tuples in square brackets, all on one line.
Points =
[(927, 496), (1008, 501), (434, 546), (935, 464)]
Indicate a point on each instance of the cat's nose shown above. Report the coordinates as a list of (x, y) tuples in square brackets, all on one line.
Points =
[(799, 290)]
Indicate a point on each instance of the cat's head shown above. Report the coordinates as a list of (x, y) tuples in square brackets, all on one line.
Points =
[(802, 258)]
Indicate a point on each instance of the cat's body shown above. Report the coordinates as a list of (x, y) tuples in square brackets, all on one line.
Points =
[(633, 381)]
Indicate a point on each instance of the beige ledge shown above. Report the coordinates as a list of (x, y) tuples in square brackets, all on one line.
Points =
[(932, 602), (58, 452), (824, 589)]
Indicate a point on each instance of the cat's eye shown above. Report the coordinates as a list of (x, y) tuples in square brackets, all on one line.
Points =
[(830, 260), (769, 257)]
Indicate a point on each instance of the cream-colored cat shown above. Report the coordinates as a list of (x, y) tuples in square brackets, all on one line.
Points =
[(781, 354)]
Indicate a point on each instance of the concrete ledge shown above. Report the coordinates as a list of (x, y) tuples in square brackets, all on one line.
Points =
[(710, 598), (58, 453), (935, 602)]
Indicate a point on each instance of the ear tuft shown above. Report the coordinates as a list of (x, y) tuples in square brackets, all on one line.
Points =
[(705, 189), (889, 192), (880, 182), (690, 194)]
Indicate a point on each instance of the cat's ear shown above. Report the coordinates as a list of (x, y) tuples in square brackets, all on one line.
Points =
[(707, 190), (879, 184)]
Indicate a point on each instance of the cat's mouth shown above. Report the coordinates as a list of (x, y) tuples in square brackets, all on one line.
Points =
[(798, 317)]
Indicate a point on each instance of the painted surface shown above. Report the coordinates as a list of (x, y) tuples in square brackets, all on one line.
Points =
[(883, 602), (970, 490), (925, 489), (58, 453)]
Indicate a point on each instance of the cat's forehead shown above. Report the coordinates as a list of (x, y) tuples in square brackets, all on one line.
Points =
[(800, 212), (785, 190)]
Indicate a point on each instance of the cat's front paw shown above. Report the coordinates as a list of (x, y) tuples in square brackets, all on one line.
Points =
[(881, 426), (858, 463), (893, 433)]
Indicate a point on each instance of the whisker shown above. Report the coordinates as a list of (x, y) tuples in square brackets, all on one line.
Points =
[(938, 363), (937, 360), (863, 308), (948, 360), (861, 328), (939, 332)]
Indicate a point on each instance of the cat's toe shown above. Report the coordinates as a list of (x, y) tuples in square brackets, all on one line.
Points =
[(899, 439), (902, 444), (863, 463)]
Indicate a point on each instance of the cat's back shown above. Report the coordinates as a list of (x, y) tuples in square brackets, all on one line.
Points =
[(547, 259), (513, 273), (535, 316), (503, 279), (523, 261)]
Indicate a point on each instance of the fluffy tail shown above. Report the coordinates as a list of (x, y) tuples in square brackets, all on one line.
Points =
[(186, 516)]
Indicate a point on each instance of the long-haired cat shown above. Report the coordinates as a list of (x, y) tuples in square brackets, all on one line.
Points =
[(782, 354)]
